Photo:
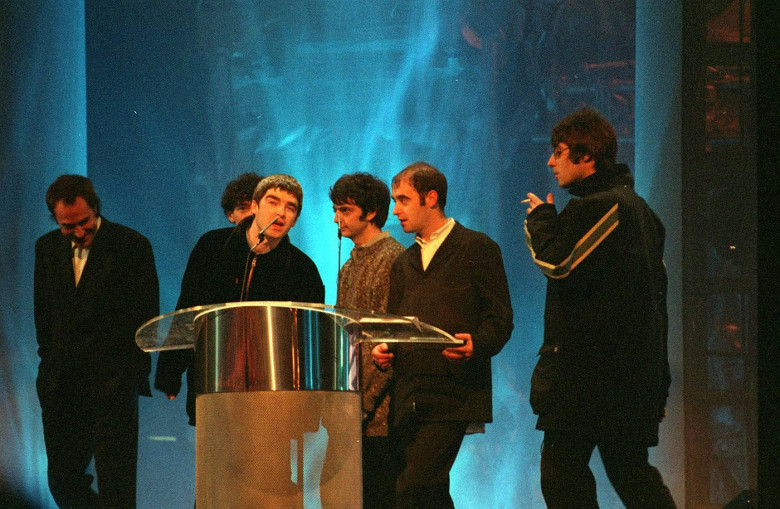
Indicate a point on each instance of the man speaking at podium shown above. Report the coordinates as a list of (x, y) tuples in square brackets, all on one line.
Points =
[(241, 264)]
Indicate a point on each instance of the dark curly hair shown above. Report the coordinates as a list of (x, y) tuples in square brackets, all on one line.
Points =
[(69, 187), (364, 190), (587, 133), (239, 190)]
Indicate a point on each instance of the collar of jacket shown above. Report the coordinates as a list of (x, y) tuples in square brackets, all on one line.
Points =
[(450, 245), (617, 175)]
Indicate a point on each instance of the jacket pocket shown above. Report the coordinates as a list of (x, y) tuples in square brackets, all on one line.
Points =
[(546, 379), (428, 398)]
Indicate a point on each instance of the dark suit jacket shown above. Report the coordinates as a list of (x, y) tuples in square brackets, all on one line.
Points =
[(464, 289), (86, 334)]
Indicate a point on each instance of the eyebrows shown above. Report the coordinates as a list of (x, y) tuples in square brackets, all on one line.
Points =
[(275, 197), (344, 207), (403, 192), (400, 197), (71, 226)]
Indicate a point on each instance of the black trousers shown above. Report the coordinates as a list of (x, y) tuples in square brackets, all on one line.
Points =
[(76, 428), (380, 470), (568, 483), (429, 451)]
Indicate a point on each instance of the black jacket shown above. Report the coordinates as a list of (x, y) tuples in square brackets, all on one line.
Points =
[(464, 289), (603, 365), (214, 274), (86, 334)]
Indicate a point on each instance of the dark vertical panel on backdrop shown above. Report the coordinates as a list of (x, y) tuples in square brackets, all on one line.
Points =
[(151, 156), (768, 132), (42, 134)]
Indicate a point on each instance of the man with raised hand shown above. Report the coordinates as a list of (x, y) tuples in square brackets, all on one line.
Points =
[(602, 378)]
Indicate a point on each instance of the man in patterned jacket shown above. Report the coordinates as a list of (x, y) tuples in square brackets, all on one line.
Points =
[(361, 203)]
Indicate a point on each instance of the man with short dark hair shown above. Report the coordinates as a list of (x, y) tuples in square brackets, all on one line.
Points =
[(361, 203), (275, 270), (95, 284), (237, 198), (452, 278), (602, 378)]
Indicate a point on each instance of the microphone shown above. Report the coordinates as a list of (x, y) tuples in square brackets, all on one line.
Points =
[(245, 282), (260, 236), (338, 218)]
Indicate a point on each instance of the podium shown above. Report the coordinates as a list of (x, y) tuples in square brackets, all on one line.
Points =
[(279, 412)]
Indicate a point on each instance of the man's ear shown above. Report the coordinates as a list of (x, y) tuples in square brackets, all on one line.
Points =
[(431, 199), (370, 216)]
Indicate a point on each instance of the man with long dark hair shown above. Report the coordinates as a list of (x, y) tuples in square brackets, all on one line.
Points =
[(602, 378)]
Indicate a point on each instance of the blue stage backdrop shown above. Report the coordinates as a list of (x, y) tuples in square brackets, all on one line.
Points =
[(162, 103)]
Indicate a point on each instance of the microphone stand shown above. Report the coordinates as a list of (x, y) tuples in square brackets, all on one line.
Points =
[(338, 267), (260, 238)]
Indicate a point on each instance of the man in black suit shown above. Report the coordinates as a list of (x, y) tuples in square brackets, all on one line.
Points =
[(453, 278), (95, 284)]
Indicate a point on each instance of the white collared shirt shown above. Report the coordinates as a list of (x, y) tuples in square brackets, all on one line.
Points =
[(80, 256), (429, 247)]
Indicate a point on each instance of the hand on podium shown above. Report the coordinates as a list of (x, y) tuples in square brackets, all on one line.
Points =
[(460, 353), (383, 357)]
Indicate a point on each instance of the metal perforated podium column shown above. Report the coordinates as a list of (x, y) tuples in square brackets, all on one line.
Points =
[(278, 424)]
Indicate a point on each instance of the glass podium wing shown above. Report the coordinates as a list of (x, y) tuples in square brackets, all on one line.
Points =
[(179, 329)]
